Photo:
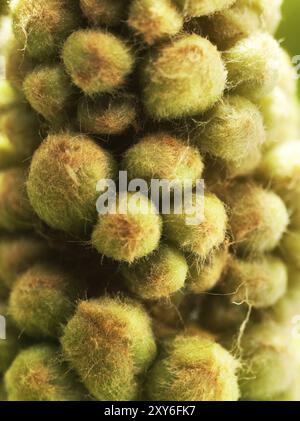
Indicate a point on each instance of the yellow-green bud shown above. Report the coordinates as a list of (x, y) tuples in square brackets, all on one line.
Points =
[(183, 78), (107, 115), (42, 300), (113, 336), (164, 157), (193, 368), (20, 136), (267, 367), (258, 217), (260, 282), (195, 8), (97, 61), (203, 276), (127, 236), (281, 116), (38, 374), (290, 247), (202, 237), (231, 131), (157, 276), (244, 18), (41, 26), (62, 181), (154, 20), (280, 166), (253, 65), (49, 91), (103, 12)]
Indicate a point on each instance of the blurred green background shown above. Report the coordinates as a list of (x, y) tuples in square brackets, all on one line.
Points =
[(289, 31)]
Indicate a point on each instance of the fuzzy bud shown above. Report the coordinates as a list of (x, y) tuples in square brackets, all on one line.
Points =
[(267, 367), (17, 64), (41, 26), (183, 78), (164, 157), (19, 137), (62, 181), (241, 20), (49, 91), (290, 247), (107, 115), (203, 276), (219, 315), (154, 20), (258, 217), (42, 300), (38, 374), (201, 237), (115, 337), (288, 306), (260, 282), (103, 12), (9, 96), (193, 368), (281, 116), (127, 236), (280, 166), (158, 276), (232, 130), (196, 8), (253, 65), (97, 61)]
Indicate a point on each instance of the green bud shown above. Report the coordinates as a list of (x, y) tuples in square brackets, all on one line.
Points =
[(41, 26), (154, 20), (157, 276), (258, 217), (203, 236), (164, 157), (42, 300), (253, 65), (260, 282), (97, 61), (193, 368), (49, 91), (203, 276), (130, 235), (38, 374), (114, 337), (62, 181), (183, 78), (107, 115), (267, 369), (103, 12), (232, 130)]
